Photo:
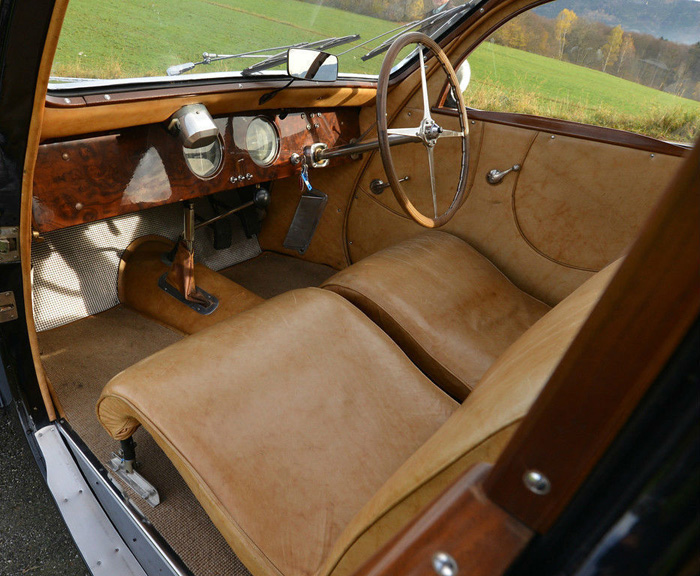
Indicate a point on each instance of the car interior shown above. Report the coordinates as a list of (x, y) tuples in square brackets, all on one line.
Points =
[(287, 317)]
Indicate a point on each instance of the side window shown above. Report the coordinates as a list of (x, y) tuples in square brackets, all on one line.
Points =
[(626, 65)]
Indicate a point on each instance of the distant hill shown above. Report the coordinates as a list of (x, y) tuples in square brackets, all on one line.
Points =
[(676, 20)]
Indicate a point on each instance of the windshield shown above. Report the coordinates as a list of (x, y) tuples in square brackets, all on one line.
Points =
[(103, 40)]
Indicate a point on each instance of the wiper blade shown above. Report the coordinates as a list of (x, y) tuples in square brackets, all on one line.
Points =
[(442, 19), (280, 54), (275, 59)]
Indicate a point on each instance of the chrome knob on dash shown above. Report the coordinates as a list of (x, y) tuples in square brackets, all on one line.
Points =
[(497, 176), (377, 186)]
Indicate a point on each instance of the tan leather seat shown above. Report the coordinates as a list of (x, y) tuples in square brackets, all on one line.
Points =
[(309, 437), (447, 306)]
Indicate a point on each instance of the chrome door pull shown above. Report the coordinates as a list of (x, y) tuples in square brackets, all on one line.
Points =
[(496, 176)]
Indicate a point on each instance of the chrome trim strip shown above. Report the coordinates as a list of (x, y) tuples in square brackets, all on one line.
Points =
[(100, 544), (144, 541)]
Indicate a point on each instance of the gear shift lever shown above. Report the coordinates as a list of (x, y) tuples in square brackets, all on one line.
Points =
[(179, 280)]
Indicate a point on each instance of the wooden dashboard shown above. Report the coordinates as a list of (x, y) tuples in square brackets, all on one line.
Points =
[(101, 176)]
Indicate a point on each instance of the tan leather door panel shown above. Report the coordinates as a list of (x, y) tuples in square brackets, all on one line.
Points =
[(573, 208)]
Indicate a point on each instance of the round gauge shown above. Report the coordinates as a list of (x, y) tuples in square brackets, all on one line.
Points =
[(204, 161), (261, 141)]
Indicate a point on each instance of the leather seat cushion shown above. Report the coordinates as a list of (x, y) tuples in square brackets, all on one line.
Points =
[(284, 420), (447, 306)]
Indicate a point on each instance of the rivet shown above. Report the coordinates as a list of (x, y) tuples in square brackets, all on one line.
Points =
[(108, 97), (65, 156), (249, 176), (232, 179), (65, 499), (79, 206), (316, 125), (552, 136), (445, 565), (481, 10), (652, 155), (66, 100), (308, 126), (409, 114), (303, 115), (536, 482), (80, 491), (99, 562), (338, 210), (350, 242), (473, 121), (116, 550)]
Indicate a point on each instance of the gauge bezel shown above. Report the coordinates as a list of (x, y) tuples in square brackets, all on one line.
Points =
[(275, 140), (219, 142)]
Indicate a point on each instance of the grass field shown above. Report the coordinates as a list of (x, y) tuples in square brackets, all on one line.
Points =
[(107, 39), (510, 80), (103, 38)]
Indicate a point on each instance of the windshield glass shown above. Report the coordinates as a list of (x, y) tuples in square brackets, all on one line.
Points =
[(103, 40)]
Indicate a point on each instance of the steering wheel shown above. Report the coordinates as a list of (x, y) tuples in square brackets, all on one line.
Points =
[(428, 132)]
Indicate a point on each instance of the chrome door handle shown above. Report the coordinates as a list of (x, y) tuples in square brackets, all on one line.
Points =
[(496, 176)]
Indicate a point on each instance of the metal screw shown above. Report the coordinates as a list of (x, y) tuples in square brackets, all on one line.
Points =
[(66, 100), (552, 136), (303, 115), (537, 483), (445, 565), (108, 97), (295, 158), (79, 206), (308, 126), (232, 179), (652, 155), (409, 114), (249, 176), (316, 125), (473, 121), (65, 156), (350, 242)]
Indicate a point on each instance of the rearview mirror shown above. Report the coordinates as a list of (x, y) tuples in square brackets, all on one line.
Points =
[(312, 65)]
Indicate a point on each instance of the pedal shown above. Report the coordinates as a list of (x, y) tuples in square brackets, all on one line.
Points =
[(135, 481), (305, 221)]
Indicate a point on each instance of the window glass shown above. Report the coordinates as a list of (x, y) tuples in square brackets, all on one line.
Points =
[(106, 40), (627, 65)]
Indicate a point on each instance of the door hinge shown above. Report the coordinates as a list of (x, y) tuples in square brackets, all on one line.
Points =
[(8, 307), (9, 245)]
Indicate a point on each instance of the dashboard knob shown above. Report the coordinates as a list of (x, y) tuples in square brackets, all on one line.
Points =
[(262, 198)]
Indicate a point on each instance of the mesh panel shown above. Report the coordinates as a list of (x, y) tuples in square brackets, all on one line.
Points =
[(74, 271)]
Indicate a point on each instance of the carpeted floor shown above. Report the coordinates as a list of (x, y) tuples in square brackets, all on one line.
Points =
[(80, 358), (271, 274)]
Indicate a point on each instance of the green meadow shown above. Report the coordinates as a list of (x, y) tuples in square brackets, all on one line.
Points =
[(107, 39), (509, 80)]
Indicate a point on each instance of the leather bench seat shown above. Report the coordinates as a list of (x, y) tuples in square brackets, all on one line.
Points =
[(310, 438), (447, 306)]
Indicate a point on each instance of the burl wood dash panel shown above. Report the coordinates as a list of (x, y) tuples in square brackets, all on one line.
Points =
[(97, 177)]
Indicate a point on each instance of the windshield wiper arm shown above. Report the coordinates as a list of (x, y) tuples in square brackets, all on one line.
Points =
[(208, 58), (443, 17), (275, 59)]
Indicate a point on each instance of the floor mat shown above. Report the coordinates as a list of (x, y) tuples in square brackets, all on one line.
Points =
[(79, 359), (271, 274)]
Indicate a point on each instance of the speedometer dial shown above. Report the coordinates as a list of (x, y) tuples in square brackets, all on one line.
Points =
[(205, 161), (262, 142)]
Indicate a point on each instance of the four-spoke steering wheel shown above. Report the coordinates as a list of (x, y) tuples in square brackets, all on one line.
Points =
[(428, 132)]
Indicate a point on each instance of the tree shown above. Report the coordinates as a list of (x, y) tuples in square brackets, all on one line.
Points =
[(612, 47), (565, 21), (627, 52)]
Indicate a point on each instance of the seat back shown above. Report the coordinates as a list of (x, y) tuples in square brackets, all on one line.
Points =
[(476, 432)]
